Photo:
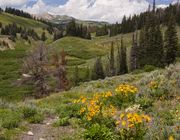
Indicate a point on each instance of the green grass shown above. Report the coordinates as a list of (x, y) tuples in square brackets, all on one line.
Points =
[(79, 48), (6, 18), (10, 65)]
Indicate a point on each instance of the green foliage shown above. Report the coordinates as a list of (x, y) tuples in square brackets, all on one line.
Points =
[(79, 48), (6, 18), (137, 134), (37, 118), (76, 75), (10, 63), (98, 132), (171, 41), (31, 115), (43, 36), (98, 71), (149, 68), (167, 117), (62, 122), (9, 119), (28, 112), (151, 51), (123, 69), (112, 61), (68, 111), (145, 103)]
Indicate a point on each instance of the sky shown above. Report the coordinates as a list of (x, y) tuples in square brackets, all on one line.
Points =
[(99, 10)]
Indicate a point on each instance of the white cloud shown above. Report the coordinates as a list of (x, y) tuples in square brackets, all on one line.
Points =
[(37, 8), (4, 3), (101, 10), (162, 6)]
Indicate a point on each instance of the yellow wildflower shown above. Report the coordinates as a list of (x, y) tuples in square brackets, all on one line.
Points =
[(122, 116), (82, 110), (123, 123), (171, 138)]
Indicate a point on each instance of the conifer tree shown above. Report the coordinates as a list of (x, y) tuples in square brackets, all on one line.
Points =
[(111, 61), (43, 36), (141, 51), (159, 48), (123, 59), (98, 72), (133, 54), (171, 41)]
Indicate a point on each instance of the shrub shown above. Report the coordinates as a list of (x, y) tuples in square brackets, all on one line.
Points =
[(98, 132), (37, 118), (145, 103), (28, 112), (62, 122), (149, 68), (32, 115), (94, 107), (9, 119), (132, 126), (125, 94), (68, 110)]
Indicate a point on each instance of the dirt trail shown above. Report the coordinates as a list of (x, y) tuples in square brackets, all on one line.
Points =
[(46, 131)]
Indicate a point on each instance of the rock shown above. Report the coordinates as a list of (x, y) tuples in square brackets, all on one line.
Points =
[(26, 75), (47, 123), (30, 133)]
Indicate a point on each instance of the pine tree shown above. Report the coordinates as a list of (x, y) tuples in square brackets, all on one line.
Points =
[(159, 48), (111, 61), (150, 51), (133, 54), (123, 59), (43, 36), (98, 72), (171, 41)]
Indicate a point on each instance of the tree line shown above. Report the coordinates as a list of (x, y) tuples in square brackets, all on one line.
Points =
[(13, 29), (137, 22), (149, 48), (18, 12), (74, 29)]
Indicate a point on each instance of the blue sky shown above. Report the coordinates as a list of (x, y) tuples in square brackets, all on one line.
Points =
[(101, 10), (62, 2), (58, 2)]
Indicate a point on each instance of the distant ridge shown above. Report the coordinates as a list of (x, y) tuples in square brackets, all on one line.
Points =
[(64, 19)]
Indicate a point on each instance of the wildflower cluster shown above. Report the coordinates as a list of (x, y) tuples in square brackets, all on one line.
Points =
[(130, 120), (126, 89), (92, 107), (125, 93)]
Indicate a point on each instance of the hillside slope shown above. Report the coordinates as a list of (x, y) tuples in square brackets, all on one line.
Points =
[(6, 18), (61, 114)]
